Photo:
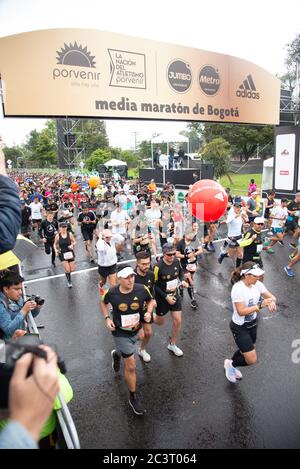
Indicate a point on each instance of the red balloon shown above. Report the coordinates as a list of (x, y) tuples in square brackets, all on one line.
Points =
[(208, 200)]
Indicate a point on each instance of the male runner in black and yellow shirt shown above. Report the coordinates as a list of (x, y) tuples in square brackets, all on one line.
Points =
[(168, 275), (127, 300)]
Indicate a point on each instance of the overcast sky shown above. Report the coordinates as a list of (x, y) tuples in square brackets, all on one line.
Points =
[(257, 31)]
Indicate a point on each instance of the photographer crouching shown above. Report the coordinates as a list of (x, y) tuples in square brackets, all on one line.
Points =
[(13, 307)]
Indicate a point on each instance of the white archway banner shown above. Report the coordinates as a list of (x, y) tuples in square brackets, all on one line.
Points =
[(89, 73)]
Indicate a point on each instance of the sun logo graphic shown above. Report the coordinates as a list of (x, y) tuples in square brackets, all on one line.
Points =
[(74, 55)]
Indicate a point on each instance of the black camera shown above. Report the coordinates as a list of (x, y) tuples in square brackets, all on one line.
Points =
[(29, 343), (39, 301)]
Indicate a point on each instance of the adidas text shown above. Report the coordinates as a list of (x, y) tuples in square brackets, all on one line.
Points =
[(247, 94)]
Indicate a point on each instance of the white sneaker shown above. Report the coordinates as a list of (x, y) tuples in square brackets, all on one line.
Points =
[(145, 355), (238, 374), (229, 371), (176, 350)]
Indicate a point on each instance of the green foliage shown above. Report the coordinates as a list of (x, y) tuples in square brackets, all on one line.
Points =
[(194, 133), (217, 152), (98, 157), (144, 149), (94, 135), (242, 138), (15, 154)]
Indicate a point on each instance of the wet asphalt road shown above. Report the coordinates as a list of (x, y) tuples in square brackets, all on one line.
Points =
[(189, 402)]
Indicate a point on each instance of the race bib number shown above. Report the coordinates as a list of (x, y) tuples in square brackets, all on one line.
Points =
[(130, 321), (259, 248), (172, 284)]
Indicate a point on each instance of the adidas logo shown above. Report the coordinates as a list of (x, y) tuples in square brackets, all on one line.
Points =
[(247, 89)]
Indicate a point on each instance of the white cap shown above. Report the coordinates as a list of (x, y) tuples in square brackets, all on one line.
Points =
[(259, 220), (254, 270), (124, 273)]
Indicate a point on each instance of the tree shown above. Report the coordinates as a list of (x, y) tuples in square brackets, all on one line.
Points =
[(132, 159), (31, 144), (98, 157), (194, 133), (46, 146), (243, 139), (14, 154), (217, 152), (94, 135), (144, 149), (292, 63)]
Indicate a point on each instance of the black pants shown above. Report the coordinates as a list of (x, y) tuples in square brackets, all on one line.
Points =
[(49, 247)]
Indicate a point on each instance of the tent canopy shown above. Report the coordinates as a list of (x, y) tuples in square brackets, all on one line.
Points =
[(169, 138), (114, 163)]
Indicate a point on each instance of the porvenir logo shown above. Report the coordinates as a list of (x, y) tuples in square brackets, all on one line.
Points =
[(285, 152), (74, 55), (179, 75), (209, 80), (248, 89)]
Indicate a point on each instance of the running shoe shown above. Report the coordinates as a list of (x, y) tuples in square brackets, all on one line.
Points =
[(293, 245), (136, 405), (194, 304), (289, 271), (221, 258), (176, 350), (70, 285), (270, 251), (291, 256), (230, 371), (115, 361), (145, 355), (92, 261), (211, 247), (281, 243)]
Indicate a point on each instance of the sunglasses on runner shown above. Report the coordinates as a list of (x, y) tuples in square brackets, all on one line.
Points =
[(170, 254)]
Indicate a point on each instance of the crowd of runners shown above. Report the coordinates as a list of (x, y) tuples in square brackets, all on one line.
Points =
[(140, 222)]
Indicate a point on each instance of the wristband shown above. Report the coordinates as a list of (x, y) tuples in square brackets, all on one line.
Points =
[(107, 317), (259, 304)]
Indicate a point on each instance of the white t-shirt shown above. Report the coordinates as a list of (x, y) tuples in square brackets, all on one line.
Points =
[(118, 221), (36, 210), (279, 212), (107, 254), (250, 296), (234, 224)]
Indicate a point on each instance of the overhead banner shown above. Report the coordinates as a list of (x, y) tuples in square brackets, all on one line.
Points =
[(88, 73)]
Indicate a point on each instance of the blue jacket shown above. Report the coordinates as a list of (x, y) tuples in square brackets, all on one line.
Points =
[(10, 317), (16, 436), (10, 213)]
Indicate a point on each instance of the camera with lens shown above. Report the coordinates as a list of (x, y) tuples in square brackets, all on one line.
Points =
[(39, 301), (29, 343)]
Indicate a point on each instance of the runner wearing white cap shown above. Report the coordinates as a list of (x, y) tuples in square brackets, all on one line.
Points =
[(249, 296), (127, 300)]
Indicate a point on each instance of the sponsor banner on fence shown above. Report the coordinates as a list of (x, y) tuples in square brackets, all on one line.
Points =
[(285, 162), (77, 72)]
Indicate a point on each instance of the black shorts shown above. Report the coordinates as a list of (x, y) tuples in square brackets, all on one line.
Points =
[(36, 220), (245, 335), (163, 306), (88, 234), (233, 241), (106, 271), (291, 225)]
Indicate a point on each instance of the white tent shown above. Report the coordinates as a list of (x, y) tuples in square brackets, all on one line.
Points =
[(168, 138), (114, 163)]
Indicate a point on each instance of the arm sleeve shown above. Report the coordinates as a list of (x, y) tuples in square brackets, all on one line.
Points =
[(8, 325), (10, 213), (246, 241), (15, 436)]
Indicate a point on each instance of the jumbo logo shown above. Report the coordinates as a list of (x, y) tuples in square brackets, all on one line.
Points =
[(74, 55)]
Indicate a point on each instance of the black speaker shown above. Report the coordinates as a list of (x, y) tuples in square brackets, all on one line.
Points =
[(207, 171)]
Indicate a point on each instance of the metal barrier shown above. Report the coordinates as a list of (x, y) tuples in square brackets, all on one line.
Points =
[(64, 416)]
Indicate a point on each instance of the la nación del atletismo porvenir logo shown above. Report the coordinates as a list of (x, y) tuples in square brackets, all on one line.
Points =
[(75, 55)]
